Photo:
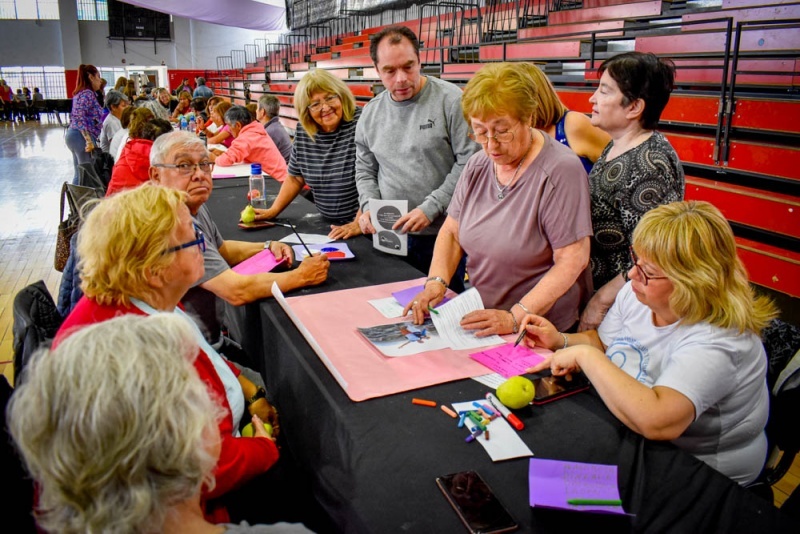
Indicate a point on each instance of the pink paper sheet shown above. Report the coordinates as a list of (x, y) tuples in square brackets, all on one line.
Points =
[(364, 373), (263, 262), (509, 360)]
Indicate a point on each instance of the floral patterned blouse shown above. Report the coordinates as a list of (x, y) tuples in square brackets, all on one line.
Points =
[(86, 113), (623, 190)]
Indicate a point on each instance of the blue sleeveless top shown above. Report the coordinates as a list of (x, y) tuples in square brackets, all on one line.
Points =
[(561, 137)]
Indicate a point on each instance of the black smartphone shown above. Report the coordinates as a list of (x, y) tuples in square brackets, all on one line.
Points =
[(550, 388), (475, 504)]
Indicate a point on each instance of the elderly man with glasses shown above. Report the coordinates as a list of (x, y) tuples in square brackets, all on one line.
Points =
[(179, 160)]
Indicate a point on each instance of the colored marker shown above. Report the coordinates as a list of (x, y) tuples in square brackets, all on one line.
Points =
[(483, 407), (595, 502), (519, 337), (505, 412), (423, 402), (430, 309), (448, 411), (461, 419)]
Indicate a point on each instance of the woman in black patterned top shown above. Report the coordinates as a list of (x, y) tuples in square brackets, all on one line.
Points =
[(636, 172)]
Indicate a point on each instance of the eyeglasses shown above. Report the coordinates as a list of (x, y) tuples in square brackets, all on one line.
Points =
[(188, 168), (645, 277), (500, 137), (328, 101), (200, 241)]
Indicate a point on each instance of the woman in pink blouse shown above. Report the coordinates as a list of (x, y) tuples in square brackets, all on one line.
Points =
[(86, 118)]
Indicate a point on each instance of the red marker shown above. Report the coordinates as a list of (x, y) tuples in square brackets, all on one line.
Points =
[(505, 412)]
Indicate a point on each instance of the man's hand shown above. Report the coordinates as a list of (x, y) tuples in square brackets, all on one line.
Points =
[(314, 270), (413, 221), (365, 223), (344, 231), (281, 250)]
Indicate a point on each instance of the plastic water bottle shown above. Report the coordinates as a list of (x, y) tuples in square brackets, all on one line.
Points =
[(256, 193), (192, 126), (184, 125)]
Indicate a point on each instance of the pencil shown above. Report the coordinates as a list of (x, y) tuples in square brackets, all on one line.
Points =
[(519, 337), (301, 240), (596, 502)]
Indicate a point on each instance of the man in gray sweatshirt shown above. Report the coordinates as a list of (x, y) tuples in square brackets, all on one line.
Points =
[(411, 143)]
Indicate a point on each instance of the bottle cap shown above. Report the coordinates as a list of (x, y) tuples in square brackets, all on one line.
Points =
[(255, 168)]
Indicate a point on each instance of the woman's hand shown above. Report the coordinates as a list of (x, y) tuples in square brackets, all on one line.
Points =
[(282, 251), (265, 214), (541, 332), (265, 412), (345, 231), (488, 322), (565, 361), (430, 296), (260, 431)]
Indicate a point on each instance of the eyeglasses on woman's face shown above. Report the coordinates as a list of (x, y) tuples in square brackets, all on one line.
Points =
[(188, 168), (200, 241), (645, 277), (329, 101), (500, 137)]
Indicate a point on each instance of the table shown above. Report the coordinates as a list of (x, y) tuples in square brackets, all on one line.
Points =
[(373, 463)]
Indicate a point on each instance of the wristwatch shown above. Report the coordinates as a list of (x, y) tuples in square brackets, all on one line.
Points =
[(267, 244), (260, 393)]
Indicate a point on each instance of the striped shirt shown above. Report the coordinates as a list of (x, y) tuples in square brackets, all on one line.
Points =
[(328, 166)]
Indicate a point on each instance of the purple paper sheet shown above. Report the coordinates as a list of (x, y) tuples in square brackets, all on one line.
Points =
[(553, 482), (263, 262), (407, 295), (508, 360)]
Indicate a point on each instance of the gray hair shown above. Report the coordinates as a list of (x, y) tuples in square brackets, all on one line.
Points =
[(270, 104), (115, 425), (113, 98), (238, 114), (169, 142), (200, 80)]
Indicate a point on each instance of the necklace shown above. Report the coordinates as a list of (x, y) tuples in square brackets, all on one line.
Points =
[(501, 189)]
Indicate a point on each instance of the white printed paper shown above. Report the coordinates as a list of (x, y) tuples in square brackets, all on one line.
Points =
[(503, 443), (383, 214), (388, 307), (308, 239), (492, 380), (448, 322)]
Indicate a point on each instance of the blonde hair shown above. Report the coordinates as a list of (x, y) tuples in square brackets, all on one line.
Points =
[(116, 426), (122, 241), (549, 108), (321, 81), (693, 244), (501, 89), (139, 118)]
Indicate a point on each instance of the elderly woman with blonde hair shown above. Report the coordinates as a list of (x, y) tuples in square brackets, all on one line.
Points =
[(147, 467), (520, 212), (678, 356), (140, 252), (324, 153)]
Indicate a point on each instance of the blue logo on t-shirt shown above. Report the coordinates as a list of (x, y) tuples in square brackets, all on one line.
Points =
[(630, 356)]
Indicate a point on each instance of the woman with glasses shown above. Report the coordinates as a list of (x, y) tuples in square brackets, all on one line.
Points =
[(520, 212), (678, 356), (324, 153), (636, 172), (139, 254)]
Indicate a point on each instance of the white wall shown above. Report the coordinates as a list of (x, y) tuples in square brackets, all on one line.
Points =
[(196, 44)]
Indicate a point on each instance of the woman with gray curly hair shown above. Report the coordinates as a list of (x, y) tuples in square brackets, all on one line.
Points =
[(146, 467)]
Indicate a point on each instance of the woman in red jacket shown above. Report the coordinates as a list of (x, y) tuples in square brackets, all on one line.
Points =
[(140, 252), (133, 164)]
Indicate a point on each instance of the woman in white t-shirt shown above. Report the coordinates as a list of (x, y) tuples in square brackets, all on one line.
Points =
[(678, 356)]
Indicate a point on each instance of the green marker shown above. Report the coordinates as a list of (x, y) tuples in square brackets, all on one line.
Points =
[(430, 309), (596, 502)]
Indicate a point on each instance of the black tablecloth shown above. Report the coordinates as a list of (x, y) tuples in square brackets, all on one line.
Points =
[(373, 463)]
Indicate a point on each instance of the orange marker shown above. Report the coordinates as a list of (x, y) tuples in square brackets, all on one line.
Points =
[(449, 412), (423, 402)]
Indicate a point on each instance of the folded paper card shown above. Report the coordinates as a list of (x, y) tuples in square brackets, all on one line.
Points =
[(509, 360), (263, 262), (552, 483)]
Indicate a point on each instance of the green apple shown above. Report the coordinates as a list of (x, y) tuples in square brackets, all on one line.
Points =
[(516, 392), (248, 431), (248, 214)]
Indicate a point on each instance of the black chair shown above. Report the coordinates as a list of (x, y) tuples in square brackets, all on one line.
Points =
[(782, 345), (36, 321)]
